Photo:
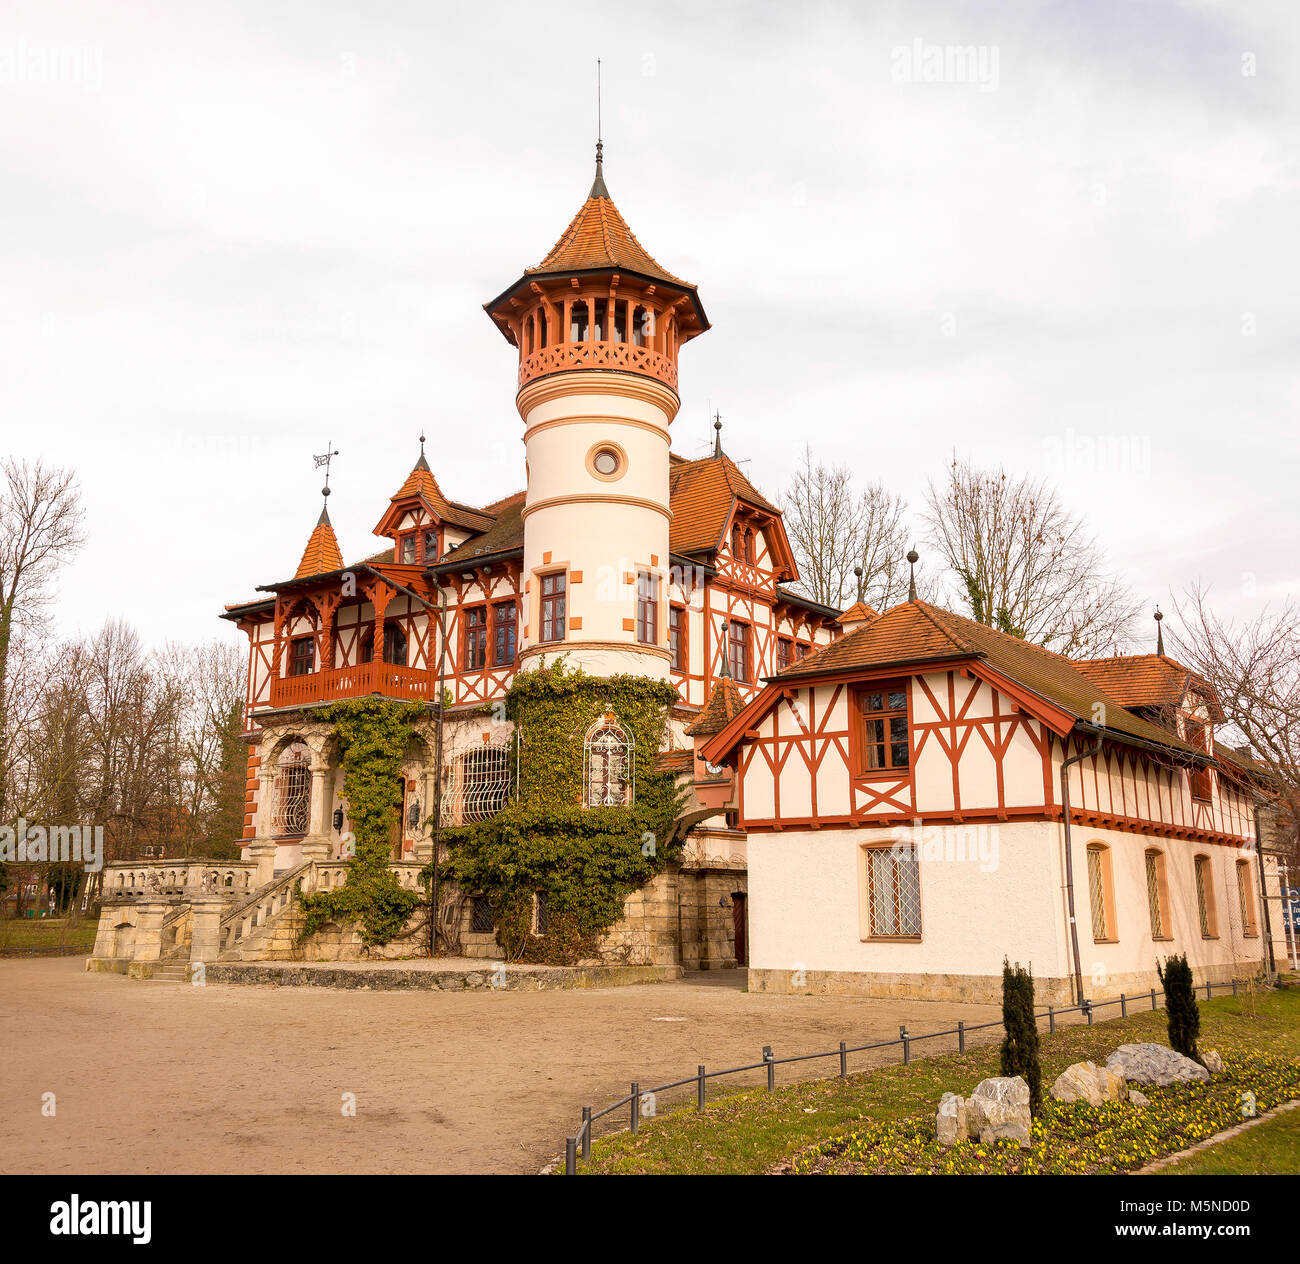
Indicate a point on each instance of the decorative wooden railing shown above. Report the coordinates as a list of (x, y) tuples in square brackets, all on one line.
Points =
[(388, 679), (625, 357)]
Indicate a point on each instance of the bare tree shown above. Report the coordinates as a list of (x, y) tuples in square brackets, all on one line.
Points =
[(833, 528), (1024, 564), (1253, 666), (40, 527)]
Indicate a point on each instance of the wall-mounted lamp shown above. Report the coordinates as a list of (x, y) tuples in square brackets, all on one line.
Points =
[(413, 814), (338, 820)]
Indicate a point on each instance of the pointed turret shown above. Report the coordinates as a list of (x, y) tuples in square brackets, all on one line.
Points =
[(322, 555), (598, 300)]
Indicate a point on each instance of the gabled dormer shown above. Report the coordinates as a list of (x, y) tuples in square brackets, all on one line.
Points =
[(422, 523)]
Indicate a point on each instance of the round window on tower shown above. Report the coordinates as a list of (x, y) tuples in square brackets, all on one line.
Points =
[(607, 461)]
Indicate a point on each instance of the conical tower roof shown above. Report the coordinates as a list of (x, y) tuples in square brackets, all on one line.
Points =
[(322, 555)]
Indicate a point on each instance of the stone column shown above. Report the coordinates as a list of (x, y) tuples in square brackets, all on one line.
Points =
[(149, 916), (262, 848), (205, 944), (424, 840), (316, 845)]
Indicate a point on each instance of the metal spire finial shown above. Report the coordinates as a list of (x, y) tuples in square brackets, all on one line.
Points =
[(1160, 634), (857, 570), (725, 670), (912, 558), (421, 442), (717, 434), (598, 189)]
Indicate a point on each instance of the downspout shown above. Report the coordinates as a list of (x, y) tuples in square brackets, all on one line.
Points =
[(437, 771), (1263, 893), (1069, 859)]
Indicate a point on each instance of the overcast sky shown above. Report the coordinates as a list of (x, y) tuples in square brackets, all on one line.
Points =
[(232, 232)]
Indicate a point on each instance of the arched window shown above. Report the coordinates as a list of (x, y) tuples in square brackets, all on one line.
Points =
[(578, 322), (1101, 894), (600, 329), (541, 327), (749, 544), (528, 336), (737, 541), (642, 326), (479, 783), (1158, 895), (620, 321), (394, 645), (292, 791), (609, 767)]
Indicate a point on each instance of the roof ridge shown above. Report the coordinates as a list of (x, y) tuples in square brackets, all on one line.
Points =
[(929, 612)]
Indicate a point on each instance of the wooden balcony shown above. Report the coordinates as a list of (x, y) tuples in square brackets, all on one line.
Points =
[(386, 679)]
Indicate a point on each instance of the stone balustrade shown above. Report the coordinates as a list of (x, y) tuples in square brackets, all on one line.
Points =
[(160, 880)]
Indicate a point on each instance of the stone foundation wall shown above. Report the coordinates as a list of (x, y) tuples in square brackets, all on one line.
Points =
[(975, 989)]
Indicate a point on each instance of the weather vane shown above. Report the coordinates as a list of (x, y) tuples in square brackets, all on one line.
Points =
[(324, 459)]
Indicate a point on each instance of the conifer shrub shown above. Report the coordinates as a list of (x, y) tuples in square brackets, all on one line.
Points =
[(1020, 1044), (1181, 1012)]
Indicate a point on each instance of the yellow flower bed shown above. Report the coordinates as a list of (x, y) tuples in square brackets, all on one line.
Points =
[(1069, 1138)]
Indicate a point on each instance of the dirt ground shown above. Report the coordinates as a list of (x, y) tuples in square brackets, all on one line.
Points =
[(166, 1077)]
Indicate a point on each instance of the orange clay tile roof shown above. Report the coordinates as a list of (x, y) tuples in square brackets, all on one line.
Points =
[(858, 612), (506, 533), (598, 237), (322, 552), (723, 706), (675, 761), (1146, 680), (701, 495), (916, 632), (421, 483)]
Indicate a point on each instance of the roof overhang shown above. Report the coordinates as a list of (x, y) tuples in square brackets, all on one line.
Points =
[(565, 274)]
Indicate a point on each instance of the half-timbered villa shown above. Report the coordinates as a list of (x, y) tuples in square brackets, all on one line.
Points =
[(617, 554), (900, 799)]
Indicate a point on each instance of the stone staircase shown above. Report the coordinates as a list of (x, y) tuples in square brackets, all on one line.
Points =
[(248, 927)]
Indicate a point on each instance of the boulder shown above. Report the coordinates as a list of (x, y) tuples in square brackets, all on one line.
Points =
[(1212, 1061), (950, 1121), (1087, 1082), (1138, 1099), (1154, 1064), (998, 1110)]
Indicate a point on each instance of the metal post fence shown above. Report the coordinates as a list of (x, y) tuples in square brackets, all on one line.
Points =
[(579, 1146)]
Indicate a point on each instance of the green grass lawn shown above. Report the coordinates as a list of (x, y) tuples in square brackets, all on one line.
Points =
[(753, 1131), (1268, 1149), (47, 932)]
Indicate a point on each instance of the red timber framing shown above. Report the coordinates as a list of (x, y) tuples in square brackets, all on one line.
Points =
[(1122, 787), (482, 588)]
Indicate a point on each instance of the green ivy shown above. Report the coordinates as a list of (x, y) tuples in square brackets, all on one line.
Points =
[(585, 860), (373, 734)]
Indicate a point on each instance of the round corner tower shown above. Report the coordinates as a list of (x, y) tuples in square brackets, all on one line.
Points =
[(598, 325)]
